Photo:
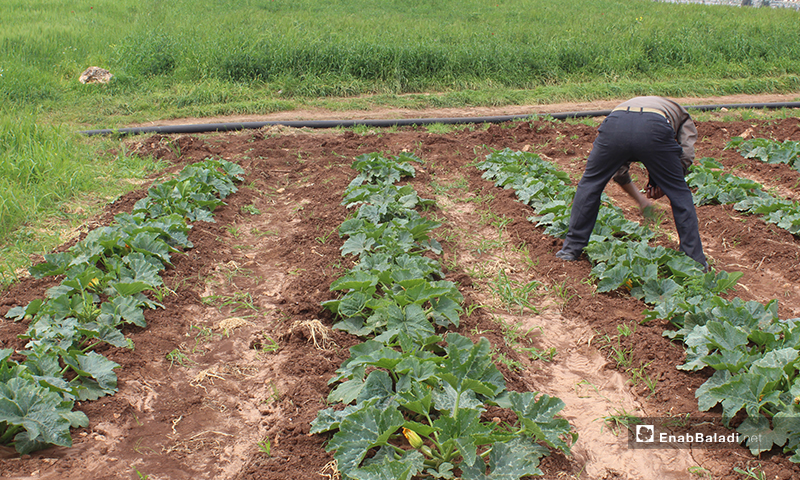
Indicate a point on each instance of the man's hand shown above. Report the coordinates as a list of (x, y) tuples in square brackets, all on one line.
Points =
[(654, 192)]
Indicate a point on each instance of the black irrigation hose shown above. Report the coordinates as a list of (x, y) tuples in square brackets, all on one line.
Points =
[(225, 127)]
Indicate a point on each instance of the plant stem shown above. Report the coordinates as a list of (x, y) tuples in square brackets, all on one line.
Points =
[(11, 431), (90, 347)]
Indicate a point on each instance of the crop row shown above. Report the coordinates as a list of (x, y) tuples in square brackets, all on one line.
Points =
[(715, 186), (405, 378), (105, 278), (754, 354), (768, 151)]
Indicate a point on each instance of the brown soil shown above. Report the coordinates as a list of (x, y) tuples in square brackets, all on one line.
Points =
[(257, 350)]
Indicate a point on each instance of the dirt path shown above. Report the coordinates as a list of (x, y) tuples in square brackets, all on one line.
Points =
[(393, 113), (240, 355)]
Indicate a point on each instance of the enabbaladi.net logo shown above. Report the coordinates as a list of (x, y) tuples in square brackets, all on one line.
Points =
[(680, 432)]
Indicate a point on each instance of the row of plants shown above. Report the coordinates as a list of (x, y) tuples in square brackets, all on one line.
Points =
[(106, 277), (713, 185), (753, 353), (406, 381), (768, 151)]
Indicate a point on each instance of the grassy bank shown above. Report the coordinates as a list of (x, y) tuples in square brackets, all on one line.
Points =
[(185, 57), (181, 58), (51, 180)]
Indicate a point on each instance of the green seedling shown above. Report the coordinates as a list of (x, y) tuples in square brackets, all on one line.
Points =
[(204, 335), (267, 345), (654, 217), (497, 221), (537, 354), (619, 420), (699, 471), (751, 473), (488, 244), (263, 233), (323, 239), (470, 309), (522, 250), (562, 293), (177, 356), (250, 209), (163, 292), (234, 302), (234, 230), (513, 293), (275, 395), (625, 330), (503, 359), (265, 447), (640, 375)]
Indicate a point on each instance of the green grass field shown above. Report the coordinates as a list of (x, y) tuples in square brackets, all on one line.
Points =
[(189, 58)]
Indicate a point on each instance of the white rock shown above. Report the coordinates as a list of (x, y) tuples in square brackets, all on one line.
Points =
[(95, 75)]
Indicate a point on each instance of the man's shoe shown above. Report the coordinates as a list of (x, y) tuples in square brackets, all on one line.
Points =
[(569, 257)]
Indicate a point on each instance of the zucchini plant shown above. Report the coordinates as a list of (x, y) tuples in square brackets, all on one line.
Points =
[(105, 280), (715, 186), (416, 398), (768, 151)]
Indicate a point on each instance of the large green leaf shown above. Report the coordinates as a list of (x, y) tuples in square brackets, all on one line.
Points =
[(725, 336), (417, 398), (706, 400), (378, 385), (143, 269), (744, 391), (539, 417), (659, 291), (411, 329), (761, 437), (461, 430), (389, 468), (94, 366), (613, 278), (447, 311), (357, 245), (469, 365), (54, 264), (366, 349), (369, 427), (126, 308), (149, 243), (329, 419), (731, 360), (352, 303), (346, 392), (44, 367), (448, 401), (776, 365), (42, 413), (384, 358), (355, 280), (507, 461)]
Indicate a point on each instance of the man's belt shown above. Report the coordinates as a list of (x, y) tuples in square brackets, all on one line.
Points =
[(640, 110)]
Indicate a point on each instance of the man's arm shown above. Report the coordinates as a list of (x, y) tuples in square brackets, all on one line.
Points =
[(686, 137), (630, 189)]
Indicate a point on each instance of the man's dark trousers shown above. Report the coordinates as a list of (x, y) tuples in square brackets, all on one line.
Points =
[(637, 137)]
